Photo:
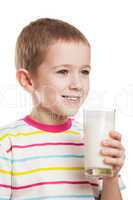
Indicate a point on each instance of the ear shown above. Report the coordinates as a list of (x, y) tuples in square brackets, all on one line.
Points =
[(24, 78)]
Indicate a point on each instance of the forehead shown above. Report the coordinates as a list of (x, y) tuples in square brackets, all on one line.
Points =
[(73, 53)]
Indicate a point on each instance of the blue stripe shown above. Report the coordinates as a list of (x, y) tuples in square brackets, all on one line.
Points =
[(77, 127), (4, 198), (64, 196), (40, 157), (11, 127), (4, 158)]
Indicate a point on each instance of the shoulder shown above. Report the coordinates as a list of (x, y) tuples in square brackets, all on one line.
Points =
[(10, 130), (12, 127)]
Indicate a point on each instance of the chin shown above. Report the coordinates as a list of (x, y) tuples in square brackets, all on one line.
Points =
[(69, 112)]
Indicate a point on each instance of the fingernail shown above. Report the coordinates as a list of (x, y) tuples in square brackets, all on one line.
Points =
[(102, 151), (105, 142)]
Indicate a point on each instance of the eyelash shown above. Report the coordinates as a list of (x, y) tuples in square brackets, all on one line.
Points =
[(62, 71), (85, 72)]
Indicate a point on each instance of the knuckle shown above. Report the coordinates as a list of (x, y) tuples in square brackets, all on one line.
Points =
[(119, 153), (120, 146), (124, 157), (120, 163), (123, 148)]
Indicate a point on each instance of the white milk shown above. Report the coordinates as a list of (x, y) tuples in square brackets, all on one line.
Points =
[(97, 125)]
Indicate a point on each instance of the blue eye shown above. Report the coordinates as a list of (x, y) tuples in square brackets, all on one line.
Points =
[(64, 71)]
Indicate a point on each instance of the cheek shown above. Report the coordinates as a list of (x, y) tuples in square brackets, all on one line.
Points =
[(86, 87), (86, 91), (50, 87), (56, 83), (46, 95), (49, 93)]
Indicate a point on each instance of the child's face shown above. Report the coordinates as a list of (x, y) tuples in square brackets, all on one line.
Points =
[(62, 81)]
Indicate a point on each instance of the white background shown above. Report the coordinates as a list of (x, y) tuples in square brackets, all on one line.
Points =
[(108, 27)]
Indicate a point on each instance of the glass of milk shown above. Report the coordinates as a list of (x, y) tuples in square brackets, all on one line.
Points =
[(97, 125)]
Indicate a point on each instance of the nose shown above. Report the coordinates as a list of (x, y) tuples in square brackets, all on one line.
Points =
[(75, 82)]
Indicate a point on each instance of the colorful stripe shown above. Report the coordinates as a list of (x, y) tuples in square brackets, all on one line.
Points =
[(14, 127), (42, 157), (33, 133), (39, 170), (47, 183), (91, 197), (21, 134), (44, 144)]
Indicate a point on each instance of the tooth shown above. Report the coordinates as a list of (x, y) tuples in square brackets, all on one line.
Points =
[(72, 98)]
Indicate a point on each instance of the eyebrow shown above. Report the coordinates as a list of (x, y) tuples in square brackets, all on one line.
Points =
[(67, 65)]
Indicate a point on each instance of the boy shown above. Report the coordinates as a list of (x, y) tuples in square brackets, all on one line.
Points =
[(42, 154)]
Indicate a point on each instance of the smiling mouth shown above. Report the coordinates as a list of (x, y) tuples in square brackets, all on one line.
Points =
[(71, 98)]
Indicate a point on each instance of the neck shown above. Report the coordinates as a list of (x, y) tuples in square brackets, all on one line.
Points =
[(44, 115)]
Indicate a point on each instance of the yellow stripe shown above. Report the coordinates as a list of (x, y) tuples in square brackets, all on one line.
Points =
[(33, 133), (72, 132), (5, 172), (21, 134), (39, 170)]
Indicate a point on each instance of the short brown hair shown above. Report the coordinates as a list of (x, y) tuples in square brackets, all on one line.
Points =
[(34, 40)]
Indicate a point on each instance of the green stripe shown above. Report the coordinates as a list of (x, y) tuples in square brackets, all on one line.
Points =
[(63, 197), (41, 157)]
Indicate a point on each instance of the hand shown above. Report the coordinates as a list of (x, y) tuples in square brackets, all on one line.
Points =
[(113, 151)]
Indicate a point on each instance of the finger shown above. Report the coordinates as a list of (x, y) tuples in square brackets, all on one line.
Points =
[(113, 143), (115, 135), (112, 152), (114, 161)]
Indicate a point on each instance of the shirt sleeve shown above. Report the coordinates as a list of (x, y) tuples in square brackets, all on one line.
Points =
[(5, 174)]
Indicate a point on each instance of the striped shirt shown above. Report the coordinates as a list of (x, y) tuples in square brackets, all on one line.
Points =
[(39, 161)]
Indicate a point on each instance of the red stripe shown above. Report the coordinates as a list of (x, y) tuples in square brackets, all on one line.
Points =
[(5, 186), (47, 183), (44, 144)]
